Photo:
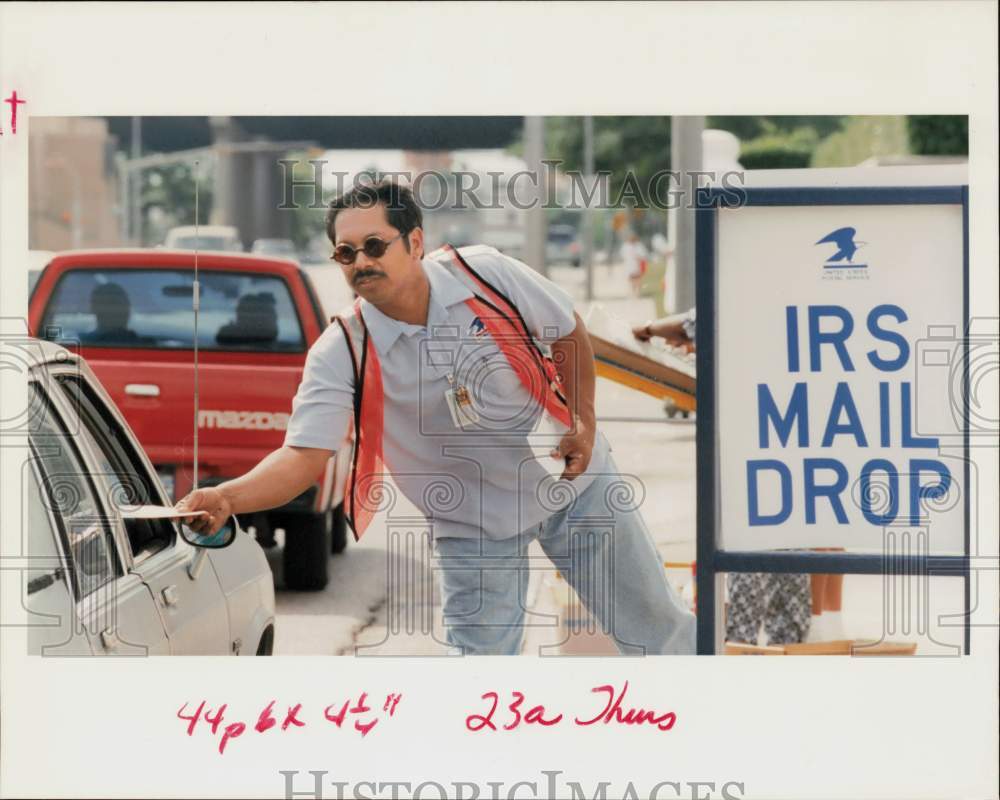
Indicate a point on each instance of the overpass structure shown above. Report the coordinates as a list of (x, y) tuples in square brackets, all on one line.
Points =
[(168, 134)]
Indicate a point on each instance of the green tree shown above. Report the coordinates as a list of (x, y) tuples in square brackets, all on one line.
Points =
[(171, 188), (778, 142), (306, 223), (779, 150), (862, 138), (630, 150), (749, 128), (938, 135), (623, 146)]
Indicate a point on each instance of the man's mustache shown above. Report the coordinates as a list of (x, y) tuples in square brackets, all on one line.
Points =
[(368, 273)]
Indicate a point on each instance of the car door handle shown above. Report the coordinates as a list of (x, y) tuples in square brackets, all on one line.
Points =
[(170, 596), (142, 389)]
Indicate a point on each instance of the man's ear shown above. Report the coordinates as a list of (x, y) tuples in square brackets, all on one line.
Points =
[(416, 238)]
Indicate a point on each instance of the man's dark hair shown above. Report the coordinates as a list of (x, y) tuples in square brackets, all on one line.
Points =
[(401, 209)]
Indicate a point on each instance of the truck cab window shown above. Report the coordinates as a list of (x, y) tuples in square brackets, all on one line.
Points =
[(152, 309)]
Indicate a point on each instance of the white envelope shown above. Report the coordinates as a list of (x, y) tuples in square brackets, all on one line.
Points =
[(544, 439), (158, 512)]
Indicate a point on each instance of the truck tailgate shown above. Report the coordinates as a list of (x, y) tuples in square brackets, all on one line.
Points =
[(244, 409)]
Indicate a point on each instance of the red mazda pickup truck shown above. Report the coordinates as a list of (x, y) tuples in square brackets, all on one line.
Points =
[(130, 313)]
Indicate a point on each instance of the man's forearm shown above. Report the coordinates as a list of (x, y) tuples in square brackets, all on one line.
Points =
[(574, 358), (280, 477)]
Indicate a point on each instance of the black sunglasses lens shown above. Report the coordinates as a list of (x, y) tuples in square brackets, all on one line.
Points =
[(345, 254), (375, 248)]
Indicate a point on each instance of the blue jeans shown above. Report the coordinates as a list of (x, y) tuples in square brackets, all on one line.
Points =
[(601, 545)]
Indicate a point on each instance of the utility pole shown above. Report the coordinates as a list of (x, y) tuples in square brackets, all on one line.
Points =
[(124, 203), (135, 184), (534, 153), (685, 157), (588, 217)]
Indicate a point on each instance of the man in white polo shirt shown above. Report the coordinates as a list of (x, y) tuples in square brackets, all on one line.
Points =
[(443, 367)]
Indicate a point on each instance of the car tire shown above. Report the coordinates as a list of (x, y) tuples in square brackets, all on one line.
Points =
[(266, 645), (263, 528), (339, 534), (306, 553)]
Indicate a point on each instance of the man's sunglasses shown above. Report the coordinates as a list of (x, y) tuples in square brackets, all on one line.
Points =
[(373, 248)]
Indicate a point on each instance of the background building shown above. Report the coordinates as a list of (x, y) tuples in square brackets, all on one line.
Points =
[(73, 194)]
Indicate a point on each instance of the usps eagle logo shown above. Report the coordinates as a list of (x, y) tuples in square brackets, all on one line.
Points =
[(477, 328), (847, 247)]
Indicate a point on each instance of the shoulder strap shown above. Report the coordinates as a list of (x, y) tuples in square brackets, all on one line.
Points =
[(356, 333), (456, 263)]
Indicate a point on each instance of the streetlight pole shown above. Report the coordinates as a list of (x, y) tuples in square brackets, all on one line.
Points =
[(588, 219), (135, 183), (685, 158), (534, 153)]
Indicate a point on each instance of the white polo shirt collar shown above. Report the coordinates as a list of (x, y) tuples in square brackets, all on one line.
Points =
[(446, 291)]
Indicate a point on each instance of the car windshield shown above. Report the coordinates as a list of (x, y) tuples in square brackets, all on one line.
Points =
[(561, 235), (152, 308), (274, 246), (204, 243)]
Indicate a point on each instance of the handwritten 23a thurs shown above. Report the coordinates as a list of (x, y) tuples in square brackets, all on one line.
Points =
[(611, 709)]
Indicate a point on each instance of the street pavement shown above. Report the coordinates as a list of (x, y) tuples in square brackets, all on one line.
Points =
[(382, 599)]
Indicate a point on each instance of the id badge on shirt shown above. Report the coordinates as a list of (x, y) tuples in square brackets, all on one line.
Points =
[(463, 413)]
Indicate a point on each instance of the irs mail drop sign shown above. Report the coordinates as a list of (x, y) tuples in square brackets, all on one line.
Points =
[(830, 429)]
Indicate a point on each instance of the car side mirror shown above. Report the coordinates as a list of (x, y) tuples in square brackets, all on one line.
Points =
[(224, 537)]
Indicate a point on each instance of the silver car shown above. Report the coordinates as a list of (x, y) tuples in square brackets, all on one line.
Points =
[(101, 581)]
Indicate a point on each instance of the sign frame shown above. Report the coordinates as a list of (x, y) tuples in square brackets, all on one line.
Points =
[(713, 562)]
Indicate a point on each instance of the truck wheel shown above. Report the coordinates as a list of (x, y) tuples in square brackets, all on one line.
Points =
[(263, 529), (307, 549), (339, 535), (266, 645)]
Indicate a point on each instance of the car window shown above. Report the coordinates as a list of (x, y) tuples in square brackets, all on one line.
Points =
[(45, 564), (123, 473), (152, 309), (70, 492)]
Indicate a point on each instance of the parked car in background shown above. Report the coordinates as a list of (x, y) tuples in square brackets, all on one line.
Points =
[(98, 580), (285, 248), (131, 313), (510, 242), (562, 245), (204, 237)]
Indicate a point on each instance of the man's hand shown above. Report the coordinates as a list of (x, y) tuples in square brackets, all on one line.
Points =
[(279, 478), (643, 332), (576, 447), (673, 332), (214, 503)]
